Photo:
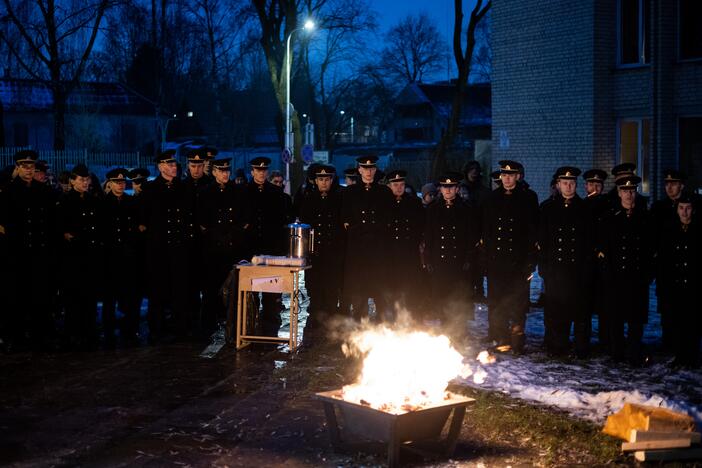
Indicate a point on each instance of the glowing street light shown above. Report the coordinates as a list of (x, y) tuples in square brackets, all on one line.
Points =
[(289, 137)]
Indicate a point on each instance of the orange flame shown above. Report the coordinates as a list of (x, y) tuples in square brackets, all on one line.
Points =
[(402, 371)]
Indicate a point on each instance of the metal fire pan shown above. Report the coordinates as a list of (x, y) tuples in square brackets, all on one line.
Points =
[(372, 424)]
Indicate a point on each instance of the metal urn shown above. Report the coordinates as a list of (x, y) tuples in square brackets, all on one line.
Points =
[(300, 240)]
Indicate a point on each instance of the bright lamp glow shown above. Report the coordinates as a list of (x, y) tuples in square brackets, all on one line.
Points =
[(309, 25)]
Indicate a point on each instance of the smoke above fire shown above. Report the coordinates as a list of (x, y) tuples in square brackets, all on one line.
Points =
[(406, 368)]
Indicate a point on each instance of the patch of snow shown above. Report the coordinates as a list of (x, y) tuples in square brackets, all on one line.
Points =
[(591, 389)]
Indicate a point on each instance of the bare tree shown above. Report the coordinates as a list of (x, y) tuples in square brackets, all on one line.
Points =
[(60, 36), (222, 26), (340, 49), (464, 60), (414, 49), (278, 19), (481, 69)]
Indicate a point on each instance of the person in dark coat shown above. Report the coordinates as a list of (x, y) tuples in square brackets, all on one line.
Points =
[(28, 248), (625, 257), (471, 187), (406, 224), (308, 187), (269, 213), (510, 217), (565, 263), (195, 180), (120, 286), (596, 204), (679, 279), (475, 193), (495, 177), (166, 218), (139, 178), (451, 235), (80, 225), (41, 172), (364, 213), (664, 212), (351, 176), (322, 211), (222, 221), (625, 169)]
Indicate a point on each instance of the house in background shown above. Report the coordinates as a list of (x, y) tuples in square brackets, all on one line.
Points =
[(99, 117), (422, 112), (596, 83)]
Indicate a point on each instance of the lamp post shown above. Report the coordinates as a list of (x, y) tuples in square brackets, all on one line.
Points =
[(289, 138), (351, 119)]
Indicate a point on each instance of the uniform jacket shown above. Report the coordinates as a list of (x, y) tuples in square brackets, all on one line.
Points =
[(566, 250), (510, 231), (167, 213), (81, 216), (450, 235), (365, 209), (222, 216), (625, 258), (406, 228), (679, 260), (323, 214), (120, 221), (27, 212), (269, 212)]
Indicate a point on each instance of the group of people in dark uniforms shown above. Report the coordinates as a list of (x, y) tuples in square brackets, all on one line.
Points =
[(176, 240)]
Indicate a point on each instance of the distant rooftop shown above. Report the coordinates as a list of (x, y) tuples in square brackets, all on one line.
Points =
[(19, 95), (477, 105)]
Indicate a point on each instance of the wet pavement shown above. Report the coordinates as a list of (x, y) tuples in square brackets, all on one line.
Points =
[(152, 406), (166, 405), (178, 405)]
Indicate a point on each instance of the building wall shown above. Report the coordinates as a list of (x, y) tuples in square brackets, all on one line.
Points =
[(94, 132), (558, 93), (542, 85)]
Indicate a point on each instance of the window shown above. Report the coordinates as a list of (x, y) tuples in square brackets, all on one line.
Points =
[(634, 137), (21, 134), (690, 151), (634, 33), (690, 35)]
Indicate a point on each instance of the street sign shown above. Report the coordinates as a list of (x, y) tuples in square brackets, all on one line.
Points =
[(307, 153), (286, 156)]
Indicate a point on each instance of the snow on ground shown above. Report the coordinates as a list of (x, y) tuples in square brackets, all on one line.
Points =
[(591, 389)]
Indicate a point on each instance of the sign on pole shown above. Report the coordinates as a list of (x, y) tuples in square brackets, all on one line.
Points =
[(286, 156), (307, 153)]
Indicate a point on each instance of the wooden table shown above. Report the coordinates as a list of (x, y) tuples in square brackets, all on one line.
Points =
[(269, 279)]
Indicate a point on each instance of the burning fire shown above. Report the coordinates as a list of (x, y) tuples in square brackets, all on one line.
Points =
[(405, 371)]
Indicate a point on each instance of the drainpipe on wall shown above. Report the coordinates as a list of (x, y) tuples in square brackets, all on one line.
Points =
[(655, 93)]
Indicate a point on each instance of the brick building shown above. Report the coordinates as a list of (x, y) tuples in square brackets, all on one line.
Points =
[(597, 82)]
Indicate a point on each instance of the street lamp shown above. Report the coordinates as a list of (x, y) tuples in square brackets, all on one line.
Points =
[(351, 118), (289, 139)]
